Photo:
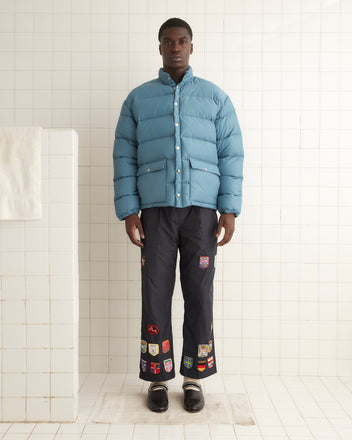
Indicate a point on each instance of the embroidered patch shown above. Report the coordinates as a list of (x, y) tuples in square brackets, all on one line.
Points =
[(202, 350), (187, 362), (168, 365), (210, 362), (155, 367), (144, 346), (153, 349), (143, 260), (152, 329), (203, 262), (210, 346), (201, 365), (144, 365), (165, 346)]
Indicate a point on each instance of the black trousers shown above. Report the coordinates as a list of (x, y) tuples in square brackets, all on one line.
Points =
[(190, 230)]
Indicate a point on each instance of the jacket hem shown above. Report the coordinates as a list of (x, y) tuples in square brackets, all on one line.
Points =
[(202, 205)]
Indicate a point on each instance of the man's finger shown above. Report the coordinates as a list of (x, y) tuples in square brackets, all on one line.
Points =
[(140, 230), (226, 238), (134, 239), (218, 230)]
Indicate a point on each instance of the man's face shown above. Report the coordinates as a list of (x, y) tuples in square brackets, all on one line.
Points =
[(175, 48)]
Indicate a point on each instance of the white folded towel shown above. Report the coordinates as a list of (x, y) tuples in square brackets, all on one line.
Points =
[(20, 173)]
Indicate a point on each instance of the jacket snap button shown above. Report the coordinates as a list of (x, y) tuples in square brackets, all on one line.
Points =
[(178, 194), (148, 169), (206, 169), (178, 171)]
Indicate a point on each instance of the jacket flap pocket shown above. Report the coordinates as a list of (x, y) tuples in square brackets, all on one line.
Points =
[(151, 167), (204, 166)]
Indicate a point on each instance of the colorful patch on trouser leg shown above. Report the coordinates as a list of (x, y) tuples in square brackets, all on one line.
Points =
[(201, 365), (168, 365), (165, 346), (153, 349), (210, 362), (210, 346), (155, 367), (144, 365), (152, 329), (203, 262), (187, 362), (144, 346), (203, 350)]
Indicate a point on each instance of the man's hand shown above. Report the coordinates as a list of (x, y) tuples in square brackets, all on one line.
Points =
[(226, 221), (133, 222)]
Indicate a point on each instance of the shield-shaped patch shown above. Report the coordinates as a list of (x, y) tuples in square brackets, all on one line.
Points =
[(153, 349), (201, 365), (165, 346), (144, 346), (203, 350), (211, 362), (168, 365), (144, 365), (187, 362), (155, 367), (204, 262)]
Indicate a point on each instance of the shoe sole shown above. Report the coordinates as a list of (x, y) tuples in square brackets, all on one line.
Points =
[(159, 410)]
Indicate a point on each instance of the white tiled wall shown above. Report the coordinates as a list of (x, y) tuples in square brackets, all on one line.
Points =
[(39, 295), (283, 302)]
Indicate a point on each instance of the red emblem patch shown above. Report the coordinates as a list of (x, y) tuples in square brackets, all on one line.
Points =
[(165, 346), (152, 329), (155, 367), (203, 262)]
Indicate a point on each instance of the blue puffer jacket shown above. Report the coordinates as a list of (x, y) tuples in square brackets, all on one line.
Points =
[(177, 145)]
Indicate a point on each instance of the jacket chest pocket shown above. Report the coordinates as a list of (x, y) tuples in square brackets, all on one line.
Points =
[(151, 182), (205, 181)]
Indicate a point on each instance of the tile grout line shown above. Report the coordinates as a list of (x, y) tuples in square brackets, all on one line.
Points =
[(252, 409), (333, 395), (298, 409), (317, 402), (275, 407)]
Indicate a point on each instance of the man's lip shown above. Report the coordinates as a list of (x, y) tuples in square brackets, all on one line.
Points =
[(176, 58)]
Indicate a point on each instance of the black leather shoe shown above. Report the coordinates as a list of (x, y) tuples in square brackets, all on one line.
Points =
[(193, 400), (157, 397)]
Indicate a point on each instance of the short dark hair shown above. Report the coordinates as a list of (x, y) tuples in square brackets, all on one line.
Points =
[(175, 22)]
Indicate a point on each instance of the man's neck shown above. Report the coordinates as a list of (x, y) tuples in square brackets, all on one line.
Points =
[(176, 75)]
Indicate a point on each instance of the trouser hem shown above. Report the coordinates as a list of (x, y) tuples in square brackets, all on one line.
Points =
[(197, 374), (153, 378)]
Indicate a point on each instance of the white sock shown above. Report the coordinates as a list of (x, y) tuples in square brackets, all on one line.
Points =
[(190, 379), (158, 383)]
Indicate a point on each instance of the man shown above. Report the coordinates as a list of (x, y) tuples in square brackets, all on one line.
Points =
[(178, 158)]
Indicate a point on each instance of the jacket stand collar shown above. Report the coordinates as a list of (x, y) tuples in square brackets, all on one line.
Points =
[(165, 78)]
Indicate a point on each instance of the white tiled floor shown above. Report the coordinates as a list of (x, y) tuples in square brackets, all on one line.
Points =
[(284, 407)]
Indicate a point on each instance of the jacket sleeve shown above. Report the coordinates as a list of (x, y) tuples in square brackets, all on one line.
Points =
[(126, 196), (230, 159)]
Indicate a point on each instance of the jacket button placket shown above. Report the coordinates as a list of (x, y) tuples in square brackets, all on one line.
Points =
[(178, 168)]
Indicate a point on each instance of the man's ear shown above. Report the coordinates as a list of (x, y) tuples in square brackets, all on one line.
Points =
[(191, 48), (160, 49)]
